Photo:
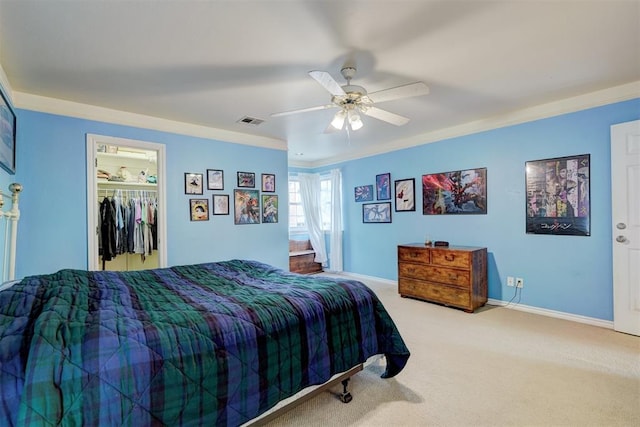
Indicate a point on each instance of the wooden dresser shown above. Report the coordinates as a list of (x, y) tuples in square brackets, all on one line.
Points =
[(455, 276)]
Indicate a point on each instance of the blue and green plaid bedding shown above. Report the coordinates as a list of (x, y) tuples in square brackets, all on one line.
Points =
[(208, 344)]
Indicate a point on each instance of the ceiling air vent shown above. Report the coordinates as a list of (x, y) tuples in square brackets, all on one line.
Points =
[(250, 121)]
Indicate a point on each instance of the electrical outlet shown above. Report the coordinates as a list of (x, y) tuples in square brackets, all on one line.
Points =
[(519, 282), (510, 281)]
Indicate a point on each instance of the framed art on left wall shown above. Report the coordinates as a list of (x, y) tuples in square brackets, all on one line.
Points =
[(7, 135)]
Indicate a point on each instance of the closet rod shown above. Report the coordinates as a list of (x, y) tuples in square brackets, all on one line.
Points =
[(114, 192)]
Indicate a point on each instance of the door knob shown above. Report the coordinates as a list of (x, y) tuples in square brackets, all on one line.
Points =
[(621, 226), (621, 239)]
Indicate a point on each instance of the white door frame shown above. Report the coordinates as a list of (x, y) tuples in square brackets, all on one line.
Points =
[(625, 211), (92, 194)]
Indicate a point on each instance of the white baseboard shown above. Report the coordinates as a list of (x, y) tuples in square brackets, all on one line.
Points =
[(365, 277), (553, 313), (527, 308)]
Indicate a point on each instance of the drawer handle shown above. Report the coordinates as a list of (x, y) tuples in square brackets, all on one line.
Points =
[(449, 257)]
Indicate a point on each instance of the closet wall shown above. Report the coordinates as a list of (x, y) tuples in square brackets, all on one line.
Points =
[(127, 187)]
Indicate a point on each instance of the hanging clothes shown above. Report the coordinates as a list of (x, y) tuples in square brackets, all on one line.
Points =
[(108, 229), (131, 223), (127, 225), (138, 239)]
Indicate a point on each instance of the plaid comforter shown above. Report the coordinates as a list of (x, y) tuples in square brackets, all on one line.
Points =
[(208, 344)]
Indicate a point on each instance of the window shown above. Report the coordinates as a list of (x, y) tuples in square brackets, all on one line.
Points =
[(296, 212)]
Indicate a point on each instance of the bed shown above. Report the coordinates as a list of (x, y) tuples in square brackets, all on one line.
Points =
[(209, 344)]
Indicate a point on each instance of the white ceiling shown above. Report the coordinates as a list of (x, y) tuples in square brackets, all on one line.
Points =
[(210, 63)]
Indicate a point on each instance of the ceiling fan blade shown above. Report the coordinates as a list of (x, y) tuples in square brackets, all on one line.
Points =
[(303, 110), (385, 116), (327, 82), (405, 91)]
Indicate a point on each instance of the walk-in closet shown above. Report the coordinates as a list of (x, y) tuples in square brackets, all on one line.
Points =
[(127, 211)]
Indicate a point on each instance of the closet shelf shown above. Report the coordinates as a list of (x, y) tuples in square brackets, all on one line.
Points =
[(126, 184), (129, 155)]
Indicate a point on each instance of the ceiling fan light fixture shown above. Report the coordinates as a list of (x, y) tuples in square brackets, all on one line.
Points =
[(353, 101), (338, 120), (355, 122)]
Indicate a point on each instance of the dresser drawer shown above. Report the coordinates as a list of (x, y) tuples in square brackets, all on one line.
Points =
[(413, 271), (413, 255), (450, 276), (448, 295), (448, 258)]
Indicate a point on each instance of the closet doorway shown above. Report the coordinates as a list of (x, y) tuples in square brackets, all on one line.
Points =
[(126, 190)]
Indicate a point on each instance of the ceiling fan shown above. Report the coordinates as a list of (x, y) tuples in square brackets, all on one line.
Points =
[(353, 100)]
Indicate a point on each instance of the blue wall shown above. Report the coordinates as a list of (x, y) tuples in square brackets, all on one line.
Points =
[(51, 164), (569, 274), (565, 273)]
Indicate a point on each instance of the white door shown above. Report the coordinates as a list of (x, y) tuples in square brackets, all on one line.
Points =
[(625, 195)]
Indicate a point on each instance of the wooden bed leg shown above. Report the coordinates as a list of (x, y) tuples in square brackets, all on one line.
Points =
[(345, 397)]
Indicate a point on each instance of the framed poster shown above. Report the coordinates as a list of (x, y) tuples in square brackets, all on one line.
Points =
[(405, 192), (269, 208), (363, 193), (7, 135), (215, 179), (376, 212), (246, 179), (246, 206), (268, 183), (192, 183), (558, 196), (221, 204), (199, 209), (457, 192), (383, 186)]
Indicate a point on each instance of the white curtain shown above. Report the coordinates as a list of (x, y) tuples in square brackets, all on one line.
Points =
[(335, 237), (310, 195)]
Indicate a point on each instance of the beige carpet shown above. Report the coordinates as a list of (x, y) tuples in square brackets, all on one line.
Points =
[(497, 367)]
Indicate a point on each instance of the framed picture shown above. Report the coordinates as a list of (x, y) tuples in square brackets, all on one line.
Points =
[(269, 208), (215, 179), (383, 186), (192, 183), (376, 212), (199, 209), (268, 183), (558, 196), (246, 207), (246, 179), (221, 204), (7, 135), (458, 192), (363, 193), (405, 195)]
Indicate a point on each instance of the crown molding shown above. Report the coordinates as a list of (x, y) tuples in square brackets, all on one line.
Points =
[(4, 82), (91, 112), (569, 105), (67, 108)]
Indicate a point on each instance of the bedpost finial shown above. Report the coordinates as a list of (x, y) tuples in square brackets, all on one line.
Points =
[(15, 187)]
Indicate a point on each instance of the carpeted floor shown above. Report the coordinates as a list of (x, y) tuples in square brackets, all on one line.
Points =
[(496, 367)]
